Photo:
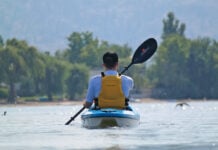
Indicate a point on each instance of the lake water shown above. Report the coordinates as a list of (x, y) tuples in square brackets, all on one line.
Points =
[(163, 126)]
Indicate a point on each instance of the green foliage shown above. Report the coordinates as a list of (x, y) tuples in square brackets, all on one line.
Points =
[(13, 67), (138, 74), (185, 68), (38, 73), (181, 68), (3, 93), (171, 26), (77, 81), (77, 41), (55, 74), (85, 49), (168, 70), (202, 68), (26, 87)]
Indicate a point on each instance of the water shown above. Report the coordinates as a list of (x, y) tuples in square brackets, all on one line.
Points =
[(162, 127)]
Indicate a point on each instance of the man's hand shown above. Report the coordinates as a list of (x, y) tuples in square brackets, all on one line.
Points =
[(87, 104)]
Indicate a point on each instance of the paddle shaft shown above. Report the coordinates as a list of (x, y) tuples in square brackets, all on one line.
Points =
[(72, 118), (126, 68)]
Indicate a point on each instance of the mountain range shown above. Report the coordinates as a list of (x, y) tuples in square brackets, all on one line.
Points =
[(46, 24)]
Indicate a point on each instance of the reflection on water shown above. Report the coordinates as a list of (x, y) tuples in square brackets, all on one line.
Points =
[(163, 126)]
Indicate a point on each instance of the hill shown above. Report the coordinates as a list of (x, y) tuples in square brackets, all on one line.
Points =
[(46, 24)]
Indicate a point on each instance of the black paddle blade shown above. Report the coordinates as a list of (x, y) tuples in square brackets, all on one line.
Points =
[(144, 51)]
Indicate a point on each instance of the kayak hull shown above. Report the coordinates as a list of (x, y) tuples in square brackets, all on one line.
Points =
[(109, 117)]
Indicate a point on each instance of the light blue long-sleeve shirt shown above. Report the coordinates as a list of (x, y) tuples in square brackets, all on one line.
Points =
[(94, 87)]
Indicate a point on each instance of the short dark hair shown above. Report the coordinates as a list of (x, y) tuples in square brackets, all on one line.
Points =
[(110, 59)]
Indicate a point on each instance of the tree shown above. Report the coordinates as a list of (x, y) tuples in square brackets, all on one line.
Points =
[(84, 48), (138, 73), (202, 68), (77, 81), (55, 74), (89, 53), (169, 68), (13, 67), (171, 26), (184, 68), (77, 41), (36, 71)]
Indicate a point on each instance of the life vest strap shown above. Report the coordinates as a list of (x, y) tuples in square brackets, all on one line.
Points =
[(102, 74), (96, 103)]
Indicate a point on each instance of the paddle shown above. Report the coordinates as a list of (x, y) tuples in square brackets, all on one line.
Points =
[(72, 118), (142, 53)]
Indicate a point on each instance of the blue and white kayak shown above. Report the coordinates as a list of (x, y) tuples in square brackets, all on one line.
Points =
[(110, 117)]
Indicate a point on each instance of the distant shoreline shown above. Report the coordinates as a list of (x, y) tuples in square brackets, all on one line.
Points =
[(76, 102), (38, 103)]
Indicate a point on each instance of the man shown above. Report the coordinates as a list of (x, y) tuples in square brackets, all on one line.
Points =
[(109, 90)]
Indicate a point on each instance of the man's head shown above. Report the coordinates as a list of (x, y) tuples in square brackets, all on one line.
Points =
[(110, 60)]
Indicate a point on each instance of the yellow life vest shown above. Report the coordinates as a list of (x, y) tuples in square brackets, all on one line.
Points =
[(111, 94)]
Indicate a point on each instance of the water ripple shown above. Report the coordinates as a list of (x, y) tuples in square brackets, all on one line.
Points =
[(162, 126)]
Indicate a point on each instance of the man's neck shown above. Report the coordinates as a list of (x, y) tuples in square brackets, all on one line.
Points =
[(113, 69)]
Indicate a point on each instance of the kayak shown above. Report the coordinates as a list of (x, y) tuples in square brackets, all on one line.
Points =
[(110, 117)]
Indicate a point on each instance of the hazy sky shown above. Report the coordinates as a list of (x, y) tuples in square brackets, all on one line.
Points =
[(46, 24)]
